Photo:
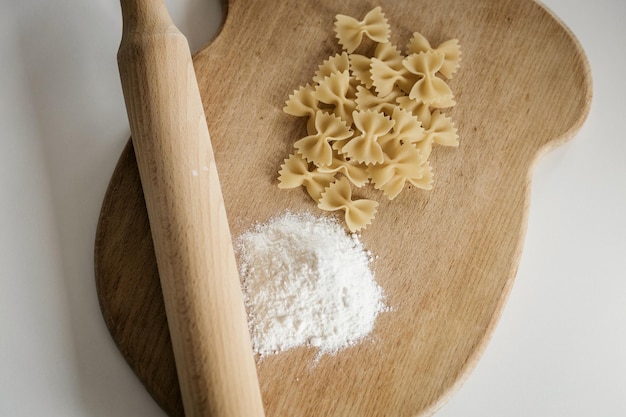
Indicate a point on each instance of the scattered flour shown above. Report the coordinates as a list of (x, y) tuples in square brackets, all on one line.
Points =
[(306, 282)]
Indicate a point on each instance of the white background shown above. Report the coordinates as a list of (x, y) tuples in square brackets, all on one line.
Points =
[(559, 349)]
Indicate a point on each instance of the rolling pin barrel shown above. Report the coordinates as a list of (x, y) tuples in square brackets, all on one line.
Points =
[(192, 241)]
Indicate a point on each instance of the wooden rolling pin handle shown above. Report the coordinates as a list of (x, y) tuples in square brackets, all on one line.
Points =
[(192, 241)]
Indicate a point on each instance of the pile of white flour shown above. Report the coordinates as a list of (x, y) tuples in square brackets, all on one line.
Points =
[(306, 282)]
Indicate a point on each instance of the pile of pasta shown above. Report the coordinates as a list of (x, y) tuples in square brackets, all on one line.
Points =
[(372, 118)]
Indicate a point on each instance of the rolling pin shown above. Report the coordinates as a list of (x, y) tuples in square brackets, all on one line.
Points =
[(192, 242)]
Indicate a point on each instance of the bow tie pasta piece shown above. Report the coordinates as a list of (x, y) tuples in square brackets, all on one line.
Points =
[(364, 147), (387, 71), (422, 177), (332, 65), (416, 108), (395, 186), (425, 179), (402, 161), (407, 128), (429, 88), (367, 100), (317, 183), (334, 90), (440, 130), (316, 148), (389, 54), (294, 172), (360, 67), (450, 49), (350, 31), (302, 104), (338, 196), (385, 78), (354, 171)]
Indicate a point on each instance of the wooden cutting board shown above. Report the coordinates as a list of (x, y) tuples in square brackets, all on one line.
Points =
[(446, 258)]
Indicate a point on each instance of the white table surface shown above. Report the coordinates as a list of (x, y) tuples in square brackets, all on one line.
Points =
[(559, 348)]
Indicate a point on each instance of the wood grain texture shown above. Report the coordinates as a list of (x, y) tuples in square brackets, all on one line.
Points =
[(446, 258), (196, 262)]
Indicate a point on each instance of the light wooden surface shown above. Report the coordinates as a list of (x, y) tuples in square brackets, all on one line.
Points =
[(446, 257), (192, 242)]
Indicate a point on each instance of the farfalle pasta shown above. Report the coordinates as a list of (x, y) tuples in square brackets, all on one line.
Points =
[(333, 65), (334, 90), (295, 172), (368, 100), (355, 172), (450, 49), (428, 88), (406, 129), (350, 31), (338, 196), (302, 103), (360, 68), (388, 72), (364, 147), (403, 162), (372, 117), (316, 148), (440, 130)]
